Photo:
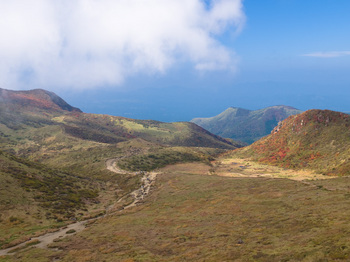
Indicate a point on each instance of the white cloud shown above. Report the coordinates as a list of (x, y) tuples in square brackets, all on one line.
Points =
[(328, 54), (89, 43)]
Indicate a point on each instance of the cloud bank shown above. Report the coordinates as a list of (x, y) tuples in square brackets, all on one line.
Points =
[(91, 43), (328, 54)]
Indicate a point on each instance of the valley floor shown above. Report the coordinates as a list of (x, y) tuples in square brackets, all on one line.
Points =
[(235, 210)]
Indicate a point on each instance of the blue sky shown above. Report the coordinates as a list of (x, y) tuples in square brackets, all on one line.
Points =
[(249, 54)]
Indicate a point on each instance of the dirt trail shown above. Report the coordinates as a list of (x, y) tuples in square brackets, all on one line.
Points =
[(148, 179), (48, 238), (111, 165)]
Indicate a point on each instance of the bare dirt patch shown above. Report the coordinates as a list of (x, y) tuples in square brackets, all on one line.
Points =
[(236, 167)]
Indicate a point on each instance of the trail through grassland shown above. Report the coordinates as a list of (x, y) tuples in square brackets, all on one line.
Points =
[(147, 180), (234, 209)]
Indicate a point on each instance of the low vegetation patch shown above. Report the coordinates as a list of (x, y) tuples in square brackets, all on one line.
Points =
[(70, 231), (35, 198), (59, 192), (162, 158)]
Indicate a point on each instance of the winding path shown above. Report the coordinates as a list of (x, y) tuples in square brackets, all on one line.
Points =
[(148, 179), (111, 165)]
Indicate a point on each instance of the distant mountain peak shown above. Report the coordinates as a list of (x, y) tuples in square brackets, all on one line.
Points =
[(36, 98), (244, 124)]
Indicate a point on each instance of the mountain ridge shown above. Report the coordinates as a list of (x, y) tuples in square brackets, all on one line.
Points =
[(244, 124)]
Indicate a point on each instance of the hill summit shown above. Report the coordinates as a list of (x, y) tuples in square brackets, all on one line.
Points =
[(315, 139), (246, 125), (35, 99)]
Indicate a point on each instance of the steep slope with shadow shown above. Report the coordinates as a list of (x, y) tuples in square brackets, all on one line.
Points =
[(246, 125)]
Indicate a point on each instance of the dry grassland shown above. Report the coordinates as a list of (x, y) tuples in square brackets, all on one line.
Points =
[(192, 216)]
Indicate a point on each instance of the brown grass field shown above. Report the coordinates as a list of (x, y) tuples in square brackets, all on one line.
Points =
[(193, 216)]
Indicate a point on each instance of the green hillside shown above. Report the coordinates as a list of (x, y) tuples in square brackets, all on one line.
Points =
[(315, 139), (36, 125), (33, 116), (53, 159), (246, 125), (81, 143)]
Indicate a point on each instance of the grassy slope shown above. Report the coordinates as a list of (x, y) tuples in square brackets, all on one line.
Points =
[(75, 145), (89, 140), (33, 126), (34, 198), (246, 125), (175, 134), (316, 139), (23, 114), (55, 137), (158, 158), (210, 218)]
